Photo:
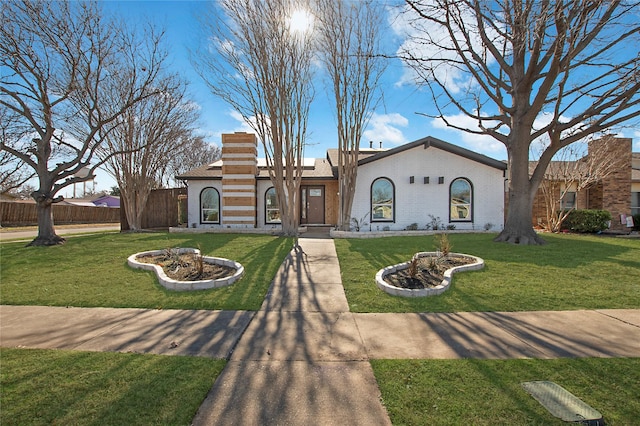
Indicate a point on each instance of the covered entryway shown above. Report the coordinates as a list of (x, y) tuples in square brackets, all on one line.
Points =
[(312, 206)]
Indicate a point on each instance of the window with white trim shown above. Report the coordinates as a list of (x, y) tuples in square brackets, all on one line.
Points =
[(209, 206), (460, 198), (272, 210)]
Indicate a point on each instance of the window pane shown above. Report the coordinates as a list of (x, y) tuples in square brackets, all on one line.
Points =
[(271, 205), (635, 203), (460, 198), (210, 205), (569, 200), (382, 200), (382, 192), (461, 191)]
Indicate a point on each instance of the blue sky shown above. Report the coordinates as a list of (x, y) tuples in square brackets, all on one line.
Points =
[(395, 121)]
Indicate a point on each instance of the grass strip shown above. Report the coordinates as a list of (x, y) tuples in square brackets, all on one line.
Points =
[(92, 271), (570, 272), (91, 388), (489, 392)]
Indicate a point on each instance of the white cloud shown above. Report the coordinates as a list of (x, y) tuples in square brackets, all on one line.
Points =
[(432, 42), (482, 144), (384, 128), (242, 125)]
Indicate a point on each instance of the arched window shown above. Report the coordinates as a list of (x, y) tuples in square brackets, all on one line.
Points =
[(272, 210), (209, 206), (382, 200), (461, 199)]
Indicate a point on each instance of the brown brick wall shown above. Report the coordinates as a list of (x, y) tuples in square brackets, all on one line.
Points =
[(616, 188), (612, 193)]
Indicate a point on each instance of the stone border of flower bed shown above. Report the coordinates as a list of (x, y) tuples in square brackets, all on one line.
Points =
[(422, 292), (172, 284)]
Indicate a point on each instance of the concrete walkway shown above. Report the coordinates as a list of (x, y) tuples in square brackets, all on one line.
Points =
[(303, 358)]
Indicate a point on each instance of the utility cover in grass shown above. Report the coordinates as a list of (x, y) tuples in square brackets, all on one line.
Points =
[(562, 403)]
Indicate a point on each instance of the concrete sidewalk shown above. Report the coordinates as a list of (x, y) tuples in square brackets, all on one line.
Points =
[(29, 233), (303, 358)]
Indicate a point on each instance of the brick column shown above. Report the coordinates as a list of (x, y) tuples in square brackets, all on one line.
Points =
[(613, 193), (239, 170)]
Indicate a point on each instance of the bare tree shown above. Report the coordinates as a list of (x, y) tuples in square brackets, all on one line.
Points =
[(68, 74), (349, 38), (13, 172), (524, 70), (571, 172), (197, 152), (146, 138), (261, 65)]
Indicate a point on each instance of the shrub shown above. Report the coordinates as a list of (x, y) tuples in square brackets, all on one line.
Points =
[(435, 224), (636, 222), (587, 221), (412, 227), (357, 225)]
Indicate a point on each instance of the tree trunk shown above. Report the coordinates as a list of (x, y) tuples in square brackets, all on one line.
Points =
[(518, 227), (46, 232)]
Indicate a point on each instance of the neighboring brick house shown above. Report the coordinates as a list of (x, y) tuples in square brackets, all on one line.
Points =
[(395, 188), (618, 193)]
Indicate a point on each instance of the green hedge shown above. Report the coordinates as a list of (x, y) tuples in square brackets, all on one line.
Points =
[(587, 221)]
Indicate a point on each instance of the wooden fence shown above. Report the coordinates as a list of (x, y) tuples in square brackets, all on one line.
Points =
[(161, 210), (24, 214)]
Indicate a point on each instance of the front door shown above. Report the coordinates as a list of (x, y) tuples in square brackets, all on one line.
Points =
[(312, 211)]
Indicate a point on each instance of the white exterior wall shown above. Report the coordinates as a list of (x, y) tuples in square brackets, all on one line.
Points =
[(196, 186), (194, 189), (263, 185), (415, 202)]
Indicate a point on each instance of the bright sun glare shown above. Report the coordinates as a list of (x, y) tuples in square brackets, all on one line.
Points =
[(300, 21)]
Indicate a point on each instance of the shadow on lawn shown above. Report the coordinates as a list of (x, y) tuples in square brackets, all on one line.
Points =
[(564, 251)]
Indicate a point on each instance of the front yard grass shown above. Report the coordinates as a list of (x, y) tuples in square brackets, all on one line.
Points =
[(570, 272), (489, 392), (92, 271), (42, 387)]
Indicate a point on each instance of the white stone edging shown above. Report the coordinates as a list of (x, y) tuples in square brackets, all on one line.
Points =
[(422, 292), (172, 284)]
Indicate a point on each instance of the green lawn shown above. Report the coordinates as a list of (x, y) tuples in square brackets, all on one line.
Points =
[(489, 392), (92, 270), (43, 387), (569, 272)]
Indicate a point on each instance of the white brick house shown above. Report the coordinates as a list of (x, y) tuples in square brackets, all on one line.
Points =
[(407, 186)]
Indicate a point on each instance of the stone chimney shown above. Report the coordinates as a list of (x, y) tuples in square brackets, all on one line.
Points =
[(239, 171)]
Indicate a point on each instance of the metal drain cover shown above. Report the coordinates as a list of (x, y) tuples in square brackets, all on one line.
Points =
[(562, 403)]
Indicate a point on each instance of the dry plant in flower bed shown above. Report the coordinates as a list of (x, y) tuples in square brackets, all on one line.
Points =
[(186, 266), (425, 272), (428, 271)]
